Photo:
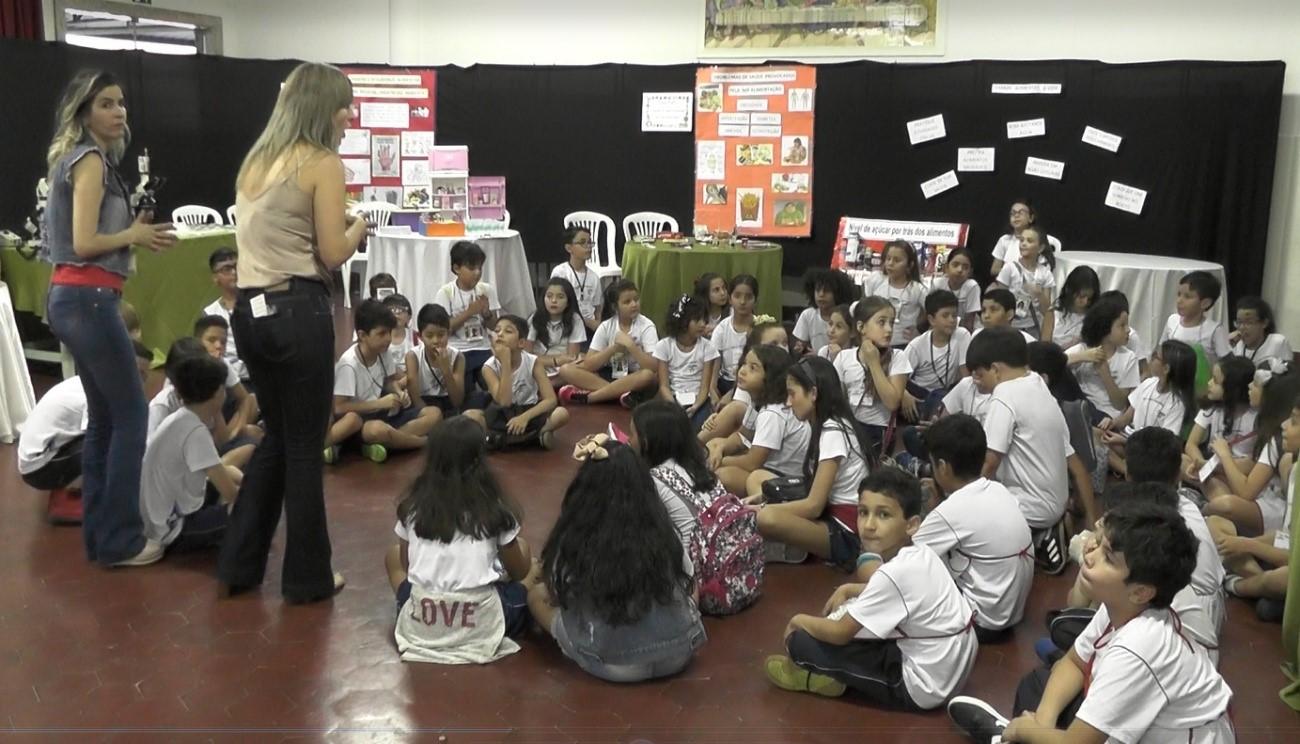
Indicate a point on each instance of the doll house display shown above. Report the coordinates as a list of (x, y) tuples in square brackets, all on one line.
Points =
[(448, 210), (487, 200)]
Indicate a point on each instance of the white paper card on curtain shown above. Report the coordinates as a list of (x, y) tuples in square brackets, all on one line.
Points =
[(975, 158), (939, 184), (386, 115), (1053, 169), (733, 130), (770, 89), (355, 142), (356, 171), (415, 172), (1126, 198), (927, 129), (1101, 138), (1026, 128), (764, 131), (1027, 89), (416, 144), (767, 119), (751, 104), (732, 118), (711, 160), (667, 112)]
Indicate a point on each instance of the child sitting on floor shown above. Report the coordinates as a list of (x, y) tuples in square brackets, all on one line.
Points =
[(712, 291), (956, 278), (840, 333), (776, 442), (1165, 399), (403, 338), (1197, 293), (688, 362), (235, 445), (524, 405), (585, 284), (732, 332), (734, 407), (436, 371), (1256, 337), (618, 365), (825, 288), (224, 263), (472, 305), (556, 331), (899, 282), (997, 310)]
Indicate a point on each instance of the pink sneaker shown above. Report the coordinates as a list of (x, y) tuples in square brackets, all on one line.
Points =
[(64, 506), (570, 394)]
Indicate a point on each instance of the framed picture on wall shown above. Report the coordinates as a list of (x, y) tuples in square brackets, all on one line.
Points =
[(823, 28)]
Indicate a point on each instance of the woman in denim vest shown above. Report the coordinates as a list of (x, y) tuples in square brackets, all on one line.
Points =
[(89, 232)]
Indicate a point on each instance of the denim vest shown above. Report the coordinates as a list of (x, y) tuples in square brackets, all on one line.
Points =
[(664, 632), (114, 215)]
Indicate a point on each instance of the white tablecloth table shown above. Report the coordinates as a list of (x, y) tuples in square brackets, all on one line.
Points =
[(16, 396), (422, 265), (1149, 282)]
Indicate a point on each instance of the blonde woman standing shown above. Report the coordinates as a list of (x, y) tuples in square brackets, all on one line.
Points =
[(293, 229), (89, 231)]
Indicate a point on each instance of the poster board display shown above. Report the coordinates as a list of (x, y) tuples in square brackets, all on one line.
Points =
[(754, 150), (393, 124), (860, 244)]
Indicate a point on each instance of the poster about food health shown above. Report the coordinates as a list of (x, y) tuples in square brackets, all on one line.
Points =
[(392, 127), (860, 244), (754, 150)]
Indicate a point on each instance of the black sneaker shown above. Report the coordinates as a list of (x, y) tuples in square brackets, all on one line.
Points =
[(1270, 610), (976, 718), (1050, 553)]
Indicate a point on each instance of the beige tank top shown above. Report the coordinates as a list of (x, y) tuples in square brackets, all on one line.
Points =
[(276, 234)]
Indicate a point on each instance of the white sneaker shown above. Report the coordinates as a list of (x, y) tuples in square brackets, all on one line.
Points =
[(152, 552)]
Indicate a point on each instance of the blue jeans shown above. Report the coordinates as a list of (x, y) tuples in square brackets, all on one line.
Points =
[(86, 320)]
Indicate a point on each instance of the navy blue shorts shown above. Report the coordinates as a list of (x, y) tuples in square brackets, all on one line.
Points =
[(202, 530)]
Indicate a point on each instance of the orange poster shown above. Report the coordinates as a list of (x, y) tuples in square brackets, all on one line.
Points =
[(754, 149)]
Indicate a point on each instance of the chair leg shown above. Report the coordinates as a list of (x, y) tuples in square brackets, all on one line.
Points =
[(347, 284)]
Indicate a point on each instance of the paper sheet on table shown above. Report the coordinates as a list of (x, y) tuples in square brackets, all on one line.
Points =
[(1026, 128), (1053, 169), (1126, 198), (710, 160), (1208, 468), (927, 129), (939, 184), (975, 158), (1101, 138)]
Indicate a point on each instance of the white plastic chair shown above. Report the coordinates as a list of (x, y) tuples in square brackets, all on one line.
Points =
[(647, 223), (604, 263), (230, 215), (379, 213), (505, 219), (194, 215)]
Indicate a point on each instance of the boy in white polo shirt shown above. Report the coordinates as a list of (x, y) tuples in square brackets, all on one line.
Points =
[(586, 285), (1197, 293), (904, 639), (224, 264), (472, 305), (1131, 676), (977, 529), (1028, 442)]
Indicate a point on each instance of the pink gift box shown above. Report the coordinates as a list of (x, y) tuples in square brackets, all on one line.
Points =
[(449, 158)]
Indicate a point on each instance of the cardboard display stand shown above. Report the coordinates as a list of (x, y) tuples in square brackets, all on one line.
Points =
[(860, 244), (385, 150)]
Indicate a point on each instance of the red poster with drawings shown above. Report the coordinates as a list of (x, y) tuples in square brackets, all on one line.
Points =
[(754, 149), (385, 149)]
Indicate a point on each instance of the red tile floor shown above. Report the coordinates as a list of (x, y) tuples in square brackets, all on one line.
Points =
[(150, 654)]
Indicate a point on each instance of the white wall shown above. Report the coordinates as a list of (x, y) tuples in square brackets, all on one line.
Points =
[(573, 32)]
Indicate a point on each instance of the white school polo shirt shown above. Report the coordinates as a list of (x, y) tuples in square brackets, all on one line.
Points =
[(1028, 339), (1025, 425), (1029, 309), (867, 405), (472, 334), (1200, 604), (810, 328), (355, 379), (966, 398), (431, 380), (1154, 408), (1211, 336), (167, 402), (523, 386), (642, 331), (1274, 346), (1008, 248), (556, 342), (586, 286), (730, 343), (838, 443), (59, 417), (173, 477), (1123, 366), (463, 564), (1241, 435), (1068, 329), (968, 294), (935, 367), (232, 354), (685, 368), (777, 429)]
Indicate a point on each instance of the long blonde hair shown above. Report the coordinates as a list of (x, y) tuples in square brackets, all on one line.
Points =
[(304, 114), (69, 119)]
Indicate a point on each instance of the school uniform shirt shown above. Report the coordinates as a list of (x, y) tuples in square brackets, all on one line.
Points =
[(60, 416), (523, 386), (730, 343), (685, 368), (232, 354), (586, 286), (968, 294), (431, 379), (1007, 249), (838, 442), (986, 544), (1154, 408), (1148, 684), (556, 342), (1274, 346), (1210, 335), (357, 380), (913, 600), (397, 350), (1282, 538), (966, 398), (464, 564), (827, 352), (1025, 425), (777, 429), (1029, 309), (935, 367), (908, 302), (1136, 345), (472, 335), (642, 331), (1123, 366), (810, 328), (1241, 435), (173, 478), (1028, 338), (1200, 604), (1068, 330), (167, 402), (867, 406), (1271, 501)]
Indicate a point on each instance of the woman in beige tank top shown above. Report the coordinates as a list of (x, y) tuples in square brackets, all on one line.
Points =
[(293, 230)]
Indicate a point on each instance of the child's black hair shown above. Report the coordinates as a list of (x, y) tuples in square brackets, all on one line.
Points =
[(1115, 295), (1033, 213), (467, 253), (1002, 296), (954, 253), (613, 551), (959, 441), (841, 287), (938, 300), (909, 252), (846, 314), (898, 485), (702, 283), (1280, 392), (1081, 278), (1180, 360), (1154, 455), (813, 372), (397, 301), (181, 349), (220, 255), (749, 280), (1004, 345), (684, 309), (521, 325), (1204, 284), (210, 321), (371, 314), (1157, 547), (1051, 363), (541, 317), (1099, 320), (456, 493), (572, 232), (1237, 375), (776, 365), (664, 433), (612, 294), (433, 315), (141, 351), (1048, 253), (198, 377), (1260, 308), (380, 281), (1151, 492)]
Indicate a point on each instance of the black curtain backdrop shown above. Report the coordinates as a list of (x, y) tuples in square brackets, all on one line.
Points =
[(1201, 137)]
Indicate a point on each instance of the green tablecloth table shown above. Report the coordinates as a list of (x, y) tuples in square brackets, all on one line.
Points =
[(168, 289), (663, 272)]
